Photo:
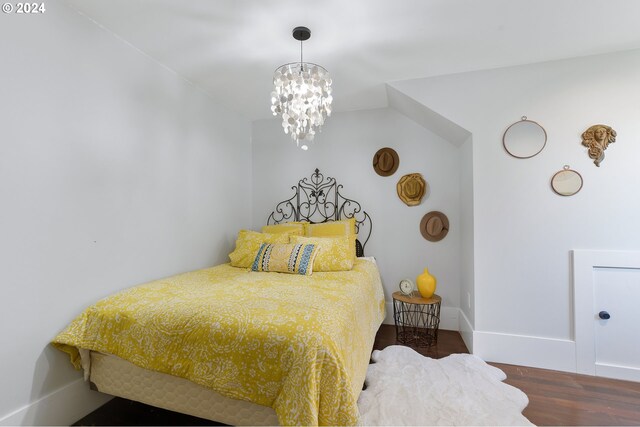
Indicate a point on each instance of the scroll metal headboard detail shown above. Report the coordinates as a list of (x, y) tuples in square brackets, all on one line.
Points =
[(318, 199)]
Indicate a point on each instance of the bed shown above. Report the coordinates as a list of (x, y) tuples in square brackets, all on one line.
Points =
[(238, 346)]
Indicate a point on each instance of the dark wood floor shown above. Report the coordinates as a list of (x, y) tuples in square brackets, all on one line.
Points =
[(555, 398), (123, 412), (562, 398)]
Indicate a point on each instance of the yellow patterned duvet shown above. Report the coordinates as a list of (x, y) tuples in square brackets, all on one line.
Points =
[(299, 344)]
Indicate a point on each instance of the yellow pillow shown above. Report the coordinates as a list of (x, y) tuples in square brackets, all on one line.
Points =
[(285, 258), (345, 227), (297, 228), (248, 243), (337, 253)]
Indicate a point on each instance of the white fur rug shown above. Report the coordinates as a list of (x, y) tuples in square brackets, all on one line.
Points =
[(406, 388)]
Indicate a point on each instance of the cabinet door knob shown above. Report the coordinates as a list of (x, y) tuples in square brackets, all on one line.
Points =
[(604, 315)]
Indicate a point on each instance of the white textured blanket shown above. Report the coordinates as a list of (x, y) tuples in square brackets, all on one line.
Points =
[(406, 388)]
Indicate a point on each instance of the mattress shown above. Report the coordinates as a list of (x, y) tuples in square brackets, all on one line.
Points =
[(113, 375), (297, 344)]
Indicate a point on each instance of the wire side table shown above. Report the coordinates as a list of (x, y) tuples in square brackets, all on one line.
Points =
[(417, 319)]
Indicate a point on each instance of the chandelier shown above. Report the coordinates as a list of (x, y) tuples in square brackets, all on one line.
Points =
[(302, 96)]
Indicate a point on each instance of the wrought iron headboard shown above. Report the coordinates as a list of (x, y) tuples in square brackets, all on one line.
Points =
[(318, 199)]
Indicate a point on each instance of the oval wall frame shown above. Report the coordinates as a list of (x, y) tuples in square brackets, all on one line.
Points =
[(566, 182), (524, 139)]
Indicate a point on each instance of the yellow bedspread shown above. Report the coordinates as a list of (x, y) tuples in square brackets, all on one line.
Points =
[(299, 344)]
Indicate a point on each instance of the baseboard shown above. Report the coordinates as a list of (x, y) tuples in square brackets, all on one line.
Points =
[(627, 373), (62, 407), (537, 352), (466, 331), (448, 317)]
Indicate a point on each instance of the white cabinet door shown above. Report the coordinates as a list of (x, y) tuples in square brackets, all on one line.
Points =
[(617, 339)]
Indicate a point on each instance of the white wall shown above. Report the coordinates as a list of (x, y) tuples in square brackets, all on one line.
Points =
[(344, 150), (467, 289), (113, 171), (523, 231)]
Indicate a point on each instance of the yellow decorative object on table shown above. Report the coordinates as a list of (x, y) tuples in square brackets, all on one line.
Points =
[(426, 284)]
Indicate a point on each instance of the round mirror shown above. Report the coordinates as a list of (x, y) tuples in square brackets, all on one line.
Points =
[(566, 182), (524, 139)]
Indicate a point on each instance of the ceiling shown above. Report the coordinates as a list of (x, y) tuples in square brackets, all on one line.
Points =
[(230, 48)]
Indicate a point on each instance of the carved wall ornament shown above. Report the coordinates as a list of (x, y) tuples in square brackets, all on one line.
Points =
[(411, 189), (597, 138)]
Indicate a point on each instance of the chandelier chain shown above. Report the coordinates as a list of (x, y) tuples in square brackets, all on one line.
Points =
[(301, 62)]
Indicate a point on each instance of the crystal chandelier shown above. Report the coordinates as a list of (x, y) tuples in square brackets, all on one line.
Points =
[(302, 95)]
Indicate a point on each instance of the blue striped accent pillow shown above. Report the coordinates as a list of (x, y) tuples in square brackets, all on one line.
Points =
[(285, 258)]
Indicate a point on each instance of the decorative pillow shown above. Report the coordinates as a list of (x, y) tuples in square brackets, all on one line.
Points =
[(285, 258), (332, 228), (294, 228), (248, 243), (336, 253)]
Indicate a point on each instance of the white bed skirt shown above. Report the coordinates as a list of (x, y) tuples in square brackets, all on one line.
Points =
[(115, 376)]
